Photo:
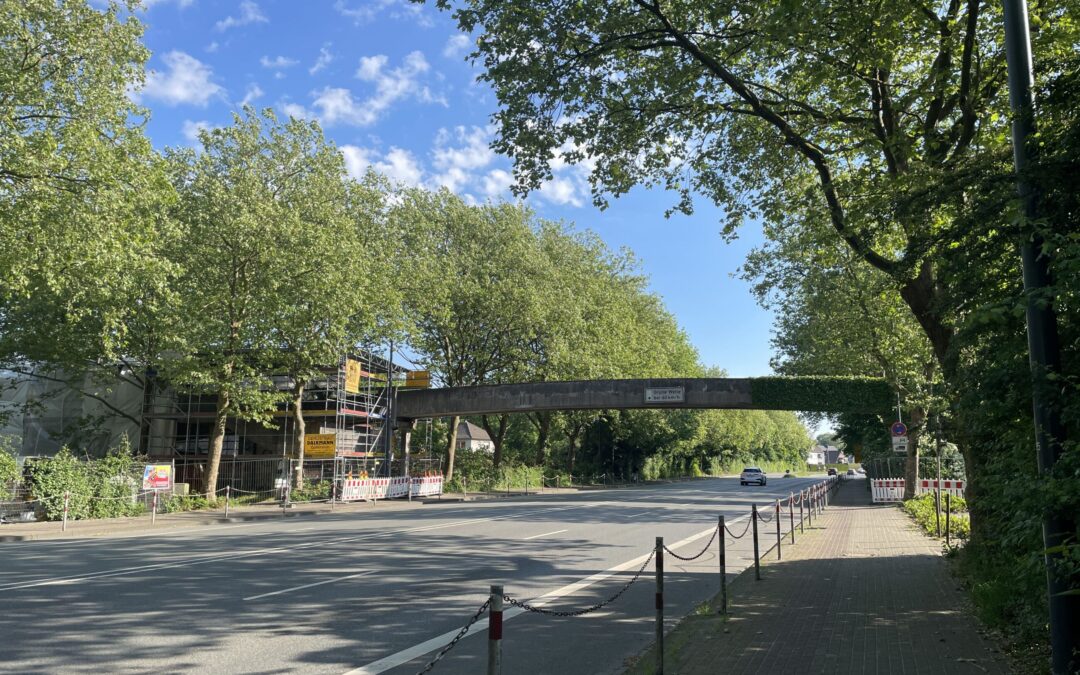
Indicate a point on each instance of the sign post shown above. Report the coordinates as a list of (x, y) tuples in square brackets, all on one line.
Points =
[(899, 437)]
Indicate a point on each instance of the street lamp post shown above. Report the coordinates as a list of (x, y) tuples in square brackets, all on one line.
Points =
[(1044, 352)]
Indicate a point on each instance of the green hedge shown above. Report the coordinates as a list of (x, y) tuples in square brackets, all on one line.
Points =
[(821, 394)]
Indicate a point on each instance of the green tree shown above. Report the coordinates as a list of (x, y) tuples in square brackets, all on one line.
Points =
[(81, 193), (262, 208), (482, 305)]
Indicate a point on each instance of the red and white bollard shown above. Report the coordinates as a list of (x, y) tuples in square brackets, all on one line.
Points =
[(67, 497), (153, 510), (228, 490)]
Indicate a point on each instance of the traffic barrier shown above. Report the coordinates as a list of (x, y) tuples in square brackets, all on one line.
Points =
[(357, 489), (947, 487), (885, 490)]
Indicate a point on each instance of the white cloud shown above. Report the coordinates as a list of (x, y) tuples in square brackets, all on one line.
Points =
[(561, 191), (399, 165), (186, 80), (249, 13), (212, 47), (337, 104), (325, 57), (456, 46), (278, 62), (191, 129), (497, 182), (368, 10), (254, 91), (296, 110), (457, 163)]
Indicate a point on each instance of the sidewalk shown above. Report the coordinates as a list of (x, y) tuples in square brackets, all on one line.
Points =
[(863, 592)]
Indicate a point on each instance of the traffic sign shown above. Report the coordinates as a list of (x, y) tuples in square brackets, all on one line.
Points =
[(900, 444), (899, 429)]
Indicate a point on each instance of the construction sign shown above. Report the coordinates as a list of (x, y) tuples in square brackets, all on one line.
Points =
[(352, 376), (320, 446), (418, 379)]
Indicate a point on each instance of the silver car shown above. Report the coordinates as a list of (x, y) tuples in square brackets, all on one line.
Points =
[(752, 474)]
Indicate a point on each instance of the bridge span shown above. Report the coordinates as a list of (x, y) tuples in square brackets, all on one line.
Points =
[(762, 393)]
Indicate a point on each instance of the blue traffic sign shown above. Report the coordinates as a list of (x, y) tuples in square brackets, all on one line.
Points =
[(899, 429)]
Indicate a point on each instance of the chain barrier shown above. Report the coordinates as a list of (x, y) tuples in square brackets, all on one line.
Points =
[(457, 638), (739, 536), (763, 518), (703, 551), (579, 612)]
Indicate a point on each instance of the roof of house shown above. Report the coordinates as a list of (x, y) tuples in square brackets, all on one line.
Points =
[(467, 431)]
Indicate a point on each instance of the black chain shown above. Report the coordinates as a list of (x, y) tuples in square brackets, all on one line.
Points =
[(745, 530), (763, 518), (457, 638), (711, 539), (579, 612)]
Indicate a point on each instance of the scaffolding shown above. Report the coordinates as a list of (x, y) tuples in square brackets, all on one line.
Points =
[(347, 408)]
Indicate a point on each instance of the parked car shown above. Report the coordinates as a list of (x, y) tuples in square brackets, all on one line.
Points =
[(831, 472), (752, 474), (851, 472)]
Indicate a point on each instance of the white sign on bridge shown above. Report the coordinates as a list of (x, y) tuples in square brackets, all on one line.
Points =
[(665, 394)]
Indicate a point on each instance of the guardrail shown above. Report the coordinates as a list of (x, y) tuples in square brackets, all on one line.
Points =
[(811, 501)]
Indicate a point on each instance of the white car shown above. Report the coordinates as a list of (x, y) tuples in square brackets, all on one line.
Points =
[(752, 474)]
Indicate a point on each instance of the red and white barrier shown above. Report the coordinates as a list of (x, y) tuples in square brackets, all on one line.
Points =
[(887, 490), (427, 486), (950, 487), (356, 489)]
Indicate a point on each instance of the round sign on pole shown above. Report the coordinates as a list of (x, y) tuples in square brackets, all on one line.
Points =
[(899, 429)]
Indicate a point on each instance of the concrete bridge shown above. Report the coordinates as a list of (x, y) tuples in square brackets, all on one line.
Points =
[(766, 393)]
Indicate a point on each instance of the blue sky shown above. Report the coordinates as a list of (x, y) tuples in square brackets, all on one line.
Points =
[(389, 82)]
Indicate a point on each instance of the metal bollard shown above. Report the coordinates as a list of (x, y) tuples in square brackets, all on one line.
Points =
[(937, 509), (153, 510), (791, 514), (810, 508), (802, 530), (948, 519), (777, 516), (659, 606), (495, 623), (723, 569), (757, 557), (228, 491), (464, 489), (507, 486), (67, 496)]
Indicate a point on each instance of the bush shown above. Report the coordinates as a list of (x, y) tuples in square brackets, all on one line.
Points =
[(106, 488), (178, 503), (922, 510), (312, 491), (9, 468)]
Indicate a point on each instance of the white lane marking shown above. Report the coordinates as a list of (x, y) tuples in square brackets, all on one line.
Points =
[(200, 560), (317, 583), (404, 656), (635, 515), (537, 536)]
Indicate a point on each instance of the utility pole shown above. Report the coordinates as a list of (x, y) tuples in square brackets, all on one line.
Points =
[(1044, 352)]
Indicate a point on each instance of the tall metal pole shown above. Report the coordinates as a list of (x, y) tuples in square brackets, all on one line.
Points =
[(1044, 353), (388, 421)]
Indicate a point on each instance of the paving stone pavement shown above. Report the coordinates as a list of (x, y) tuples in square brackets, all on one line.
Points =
[(864, 591)]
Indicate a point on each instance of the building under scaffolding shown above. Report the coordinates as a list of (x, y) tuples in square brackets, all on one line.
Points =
[(347, 425)]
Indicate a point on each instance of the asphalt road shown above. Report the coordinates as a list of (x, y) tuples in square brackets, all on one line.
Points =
[(374, 592)]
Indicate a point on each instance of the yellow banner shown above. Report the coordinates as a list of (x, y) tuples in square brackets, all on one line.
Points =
[(320, 446), (352, 376), (418, 379)]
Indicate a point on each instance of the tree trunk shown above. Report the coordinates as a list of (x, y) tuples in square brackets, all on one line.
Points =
[(543, 430), (300, 433), (451, 446), (572, 437), (217, 439), (497, 436), (921, 296), (911, 469)]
